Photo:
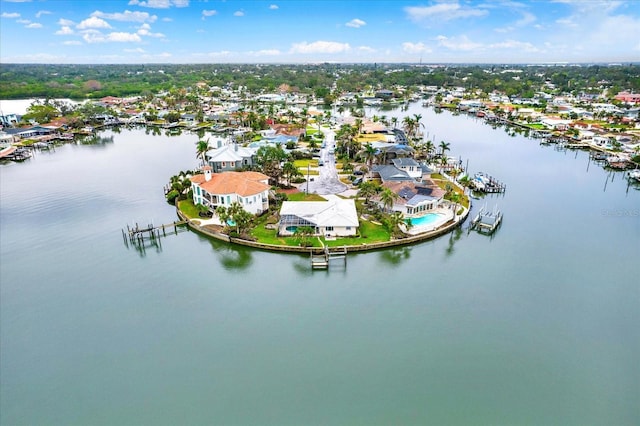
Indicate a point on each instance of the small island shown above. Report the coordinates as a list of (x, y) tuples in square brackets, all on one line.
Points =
[(317, 192)]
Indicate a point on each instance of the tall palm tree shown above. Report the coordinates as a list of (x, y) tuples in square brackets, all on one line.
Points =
[(444, 147), (368, 153), (387, 197), (201, 150)]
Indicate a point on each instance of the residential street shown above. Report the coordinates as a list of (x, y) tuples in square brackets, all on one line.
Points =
[(327, 181)]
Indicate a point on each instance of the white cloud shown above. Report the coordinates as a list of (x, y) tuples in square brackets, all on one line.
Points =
[(527, 18), (65, 22), (410, 47), (145, 30), (122, 37), (93, 36), (72, 43), (458, 43), (126, 16), (23, 21), (356, 23), (273, 7), (206, 13), (366, 49), (443, 12), (512, 44), (160, 4), (42, 12), (93, 22), (320, 46), (167, 19), (33, 25), (11, 15), (222, 53), (567, 22), (266, 52), (64, 30), (238, 13)]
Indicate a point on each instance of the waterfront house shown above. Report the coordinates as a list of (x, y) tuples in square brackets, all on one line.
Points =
[(336, 217), (249, 189), (9, 119), (414, 199), (232, 157)]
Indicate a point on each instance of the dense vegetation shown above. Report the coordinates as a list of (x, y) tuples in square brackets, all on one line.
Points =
[(21, 81)]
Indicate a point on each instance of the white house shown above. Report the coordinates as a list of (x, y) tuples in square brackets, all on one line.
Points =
[(414, 199), (230, 158), (334, 217), (249, 189), (408, 165)]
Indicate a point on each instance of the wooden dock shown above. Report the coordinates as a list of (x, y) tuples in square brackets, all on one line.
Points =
[(486, 221), (483, 182), (148, 236), (322, 261)]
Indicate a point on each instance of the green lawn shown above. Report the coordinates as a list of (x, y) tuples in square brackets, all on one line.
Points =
[(369, 233), (302, 196), (305, 162), (188, 208)]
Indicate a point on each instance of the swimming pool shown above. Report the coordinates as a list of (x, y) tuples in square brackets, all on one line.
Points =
[(427, 219)]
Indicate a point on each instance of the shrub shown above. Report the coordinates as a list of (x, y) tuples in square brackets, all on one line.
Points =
[(172, 196)]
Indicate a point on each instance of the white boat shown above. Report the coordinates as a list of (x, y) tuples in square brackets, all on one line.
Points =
[(634, 175)]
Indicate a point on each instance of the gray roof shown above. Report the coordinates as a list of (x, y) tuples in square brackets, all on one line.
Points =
[(404, 162), (391, 173)]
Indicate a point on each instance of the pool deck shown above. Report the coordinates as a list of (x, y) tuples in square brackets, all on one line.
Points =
[(446, 215)]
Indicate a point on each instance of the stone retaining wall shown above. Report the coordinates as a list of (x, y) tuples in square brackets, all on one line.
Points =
[(447, 227)]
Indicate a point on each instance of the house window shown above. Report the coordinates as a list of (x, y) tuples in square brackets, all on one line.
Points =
[(329, 228), (224, 164), (348, 228)]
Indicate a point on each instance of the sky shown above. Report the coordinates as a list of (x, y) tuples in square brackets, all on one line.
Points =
[(288, 31)]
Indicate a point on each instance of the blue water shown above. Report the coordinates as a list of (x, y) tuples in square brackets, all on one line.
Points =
[(534, 325), (427, 219)]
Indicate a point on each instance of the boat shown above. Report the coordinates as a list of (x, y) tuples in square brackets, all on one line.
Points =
[(634, 175), (482, 182)]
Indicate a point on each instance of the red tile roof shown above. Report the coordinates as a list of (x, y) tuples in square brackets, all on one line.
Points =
[(242, 183)]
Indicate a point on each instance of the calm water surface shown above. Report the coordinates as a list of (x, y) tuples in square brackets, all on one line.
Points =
[(538, 324)]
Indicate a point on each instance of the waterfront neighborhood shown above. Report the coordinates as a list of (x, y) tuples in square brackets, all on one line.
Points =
[(271, 164)]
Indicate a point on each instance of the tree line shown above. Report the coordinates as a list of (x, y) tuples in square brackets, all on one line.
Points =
[(23, 81)]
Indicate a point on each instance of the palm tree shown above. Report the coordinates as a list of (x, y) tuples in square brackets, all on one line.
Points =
[(393, 222), (289, 170), (455, 198), (387, 197), (368, 153), (444, 146), (201, 150), (367, 190), (429, 148)]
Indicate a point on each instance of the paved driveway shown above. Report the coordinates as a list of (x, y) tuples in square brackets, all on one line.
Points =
[(327, 182)]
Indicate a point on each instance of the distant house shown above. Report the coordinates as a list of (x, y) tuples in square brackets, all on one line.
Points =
[(334, 217), (630, 98), (231, 157), (32, 132), (555, 123), (249, 189), (384, 94), (9, 120)]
